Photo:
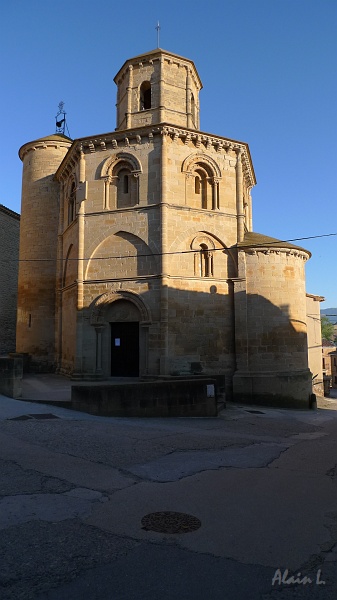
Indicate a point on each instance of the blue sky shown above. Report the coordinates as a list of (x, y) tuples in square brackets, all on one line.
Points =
[(268, 69)]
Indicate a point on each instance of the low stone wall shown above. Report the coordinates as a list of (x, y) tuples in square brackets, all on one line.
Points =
[(283, 390), (11, 372), (177, 398)]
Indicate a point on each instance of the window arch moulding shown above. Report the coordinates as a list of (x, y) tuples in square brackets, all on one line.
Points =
[(203, 176), (203, 249), (210, 165), (122, 172), (110, 163), (101, 302)]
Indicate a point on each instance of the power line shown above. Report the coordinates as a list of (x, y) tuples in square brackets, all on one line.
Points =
[(276, 244)]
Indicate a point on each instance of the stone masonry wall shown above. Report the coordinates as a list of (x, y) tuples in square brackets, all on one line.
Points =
[(276, 310), (271, 329), (315, 342), (124, 248), (38, 249), (9, 253)]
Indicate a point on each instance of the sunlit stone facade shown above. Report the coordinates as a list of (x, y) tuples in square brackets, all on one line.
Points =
[(153, 268)]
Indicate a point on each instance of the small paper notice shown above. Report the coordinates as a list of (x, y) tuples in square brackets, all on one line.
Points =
[(210, 391)]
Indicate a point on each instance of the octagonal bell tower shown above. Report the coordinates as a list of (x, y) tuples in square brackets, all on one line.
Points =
[(158, 87)]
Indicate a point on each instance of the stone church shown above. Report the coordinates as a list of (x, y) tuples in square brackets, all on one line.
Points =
[(138, 255)]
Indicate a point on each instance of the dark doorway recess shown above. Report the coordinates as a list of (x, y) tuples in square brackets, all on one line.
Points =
[(125, 349)]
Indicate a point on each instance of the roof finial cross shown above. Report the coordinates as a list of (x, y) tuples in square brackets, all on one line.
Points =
[(158, 28)]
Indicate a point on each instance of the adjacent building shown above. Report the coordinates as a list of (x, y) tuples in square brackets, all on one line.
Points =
[(9, 255), (329, 362), (315, 342)]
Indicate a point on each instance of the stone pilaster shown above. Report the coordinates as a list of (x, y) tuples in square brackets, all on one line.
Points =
[(129, 97), (239, 197), (188, 99), (164, 260)]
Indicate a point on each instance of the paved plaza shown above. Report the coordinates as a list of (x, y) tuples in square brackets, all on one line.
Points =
[(258, 484)]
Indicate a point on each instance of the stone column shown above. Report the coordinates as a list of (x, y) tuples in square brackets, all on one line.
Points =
[(82, 167), (99, 367), (215, 194), (164, 261), (60, 270), (239, 197), (250, 210), (129, 98), (80, 267), (188, 99), (80, 293), (161, 91), (136, 176), (107, 182)]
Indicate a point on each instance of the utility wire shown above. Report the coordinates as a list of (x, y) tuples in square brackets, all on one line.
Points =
[(276, 244)]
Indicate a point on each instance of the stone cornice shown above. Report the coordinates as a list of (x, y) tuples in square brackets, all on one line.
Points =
[(133, 138), (288, 251), (9, 212), (158, 54), (43, 143), (315, 297)]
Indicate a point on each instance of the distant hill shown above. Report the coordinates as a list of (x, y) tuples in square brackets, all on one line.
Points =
[(331, 313)]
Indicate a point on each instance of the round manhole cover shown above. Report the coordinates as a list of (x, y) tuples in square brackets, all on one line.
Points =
[(170, 522)]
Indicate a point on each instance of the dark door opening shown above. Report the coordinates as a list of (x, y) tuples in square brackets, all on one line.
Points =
[(125, 349)]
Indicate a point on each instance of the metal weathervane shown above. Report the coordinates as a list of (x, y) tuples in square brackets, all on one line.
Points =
[(61, 123)]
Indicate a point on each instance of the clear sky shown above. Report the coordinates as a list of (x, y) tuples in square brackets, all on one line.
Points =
[(268, 69)]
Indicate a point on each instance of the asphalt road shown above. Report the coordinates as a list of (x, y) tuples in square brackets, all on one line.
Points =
[(74, 489)]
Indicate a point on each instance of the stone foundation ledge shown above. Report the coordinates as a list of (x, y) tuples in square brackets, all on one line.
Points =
[(178, 398)]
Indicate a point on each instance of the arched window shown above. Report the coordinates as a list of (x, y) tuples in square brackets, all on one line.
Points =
[(203, 178), (145, 96), (72, 204), (125, 184), (200, 187), (197, 184), (203, 247)]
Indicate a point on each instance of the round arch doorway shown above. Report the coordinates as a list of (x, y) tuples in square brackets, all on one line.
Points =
[(124, 318), (125, 349)]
